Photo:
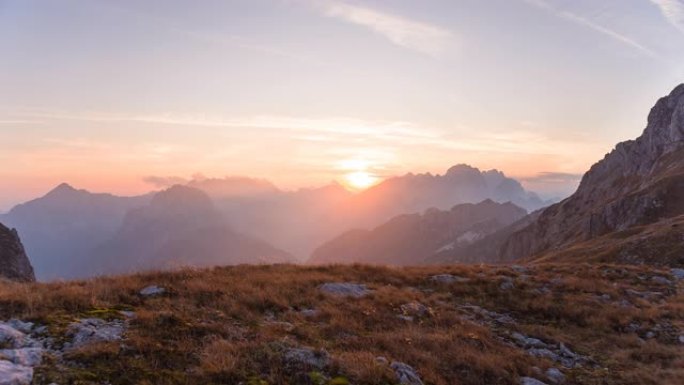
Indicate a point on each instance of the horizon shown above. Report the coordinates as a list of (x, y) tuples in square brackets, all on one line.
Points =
[(305, 92)]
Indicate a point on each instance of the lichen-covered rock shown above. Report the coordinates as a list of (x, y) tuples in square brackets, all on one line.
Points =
[(14, 263), (93, 330)]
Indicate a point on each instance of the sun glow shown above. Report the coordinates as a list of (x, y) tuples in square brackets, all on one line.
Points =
[(361, 180)]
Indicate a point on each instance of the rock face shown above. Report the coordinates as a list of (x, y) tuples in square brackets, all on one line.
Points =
[(418, 238), (14, 264), (640, 183)]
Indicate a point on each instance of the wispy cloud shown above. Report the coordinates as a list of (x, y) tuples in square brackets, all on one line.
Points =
[(594, 26), (416, 35), (673, 10)]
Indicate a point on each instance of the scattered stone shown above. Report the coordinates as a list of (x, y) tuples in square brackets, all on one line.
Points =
[(406, 374), (287, 326), (415, 309), (309, 312), (93, 330), (555, 376), (13, 374), (23, 356), (306, 359), (661, 280), (681, 339), (543, 353), (677, 273), (347, 289), (484, 316), (446, 279), (381, 360), (152, 291), (507, 284), (520, 269), (528, 342), (530, 381), (405, 318)]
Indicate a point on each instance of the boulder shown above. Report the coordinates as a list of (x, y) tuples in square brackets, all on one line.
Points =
[(13, 374), (94, 330), (406, 375), (151, 291)]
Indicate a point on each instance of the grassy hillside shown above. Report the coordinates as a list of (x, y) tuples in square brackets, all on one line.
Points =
[(259, 325)]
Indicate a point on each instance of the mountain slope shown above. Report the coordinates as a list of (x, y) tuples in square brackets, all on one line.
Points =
[(60, 228), (411, 239), (640, 183), (180, 227), (14, 264)]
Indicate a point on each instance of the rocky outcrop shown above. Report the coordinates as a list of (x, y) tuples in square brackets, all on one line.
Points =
[(14, 264), (640, 182)]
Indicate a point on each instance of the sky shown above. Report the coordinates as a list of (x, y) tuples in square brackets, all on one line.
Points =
[(108, 95)]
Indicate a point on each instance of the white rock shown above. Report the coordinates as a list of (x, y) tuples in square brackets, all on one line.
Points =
[(530, 381), (151, 291), (346, 289), (13, 374), (405, 374), (23, 356), (11, 337)]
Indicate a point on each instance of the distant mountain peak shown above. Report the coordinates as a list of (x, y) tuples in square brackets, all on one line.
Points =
[(62, 188), (461, 169)]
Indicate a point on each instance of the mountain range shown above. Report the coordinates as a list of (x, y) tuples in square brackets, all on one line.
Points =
[(74, 233), (412, 238)]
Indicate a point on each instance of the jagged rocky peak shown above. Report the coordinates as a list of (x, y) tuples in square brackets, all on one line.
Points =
[(641, 182), (664, 133), (14, 263)]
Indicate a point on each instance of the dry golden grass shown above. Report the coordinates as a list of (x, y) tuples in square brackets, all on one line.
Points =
[(232, 325)]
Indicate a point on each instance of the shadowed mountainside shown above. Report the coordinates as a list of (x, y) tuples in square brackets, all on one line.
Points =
[(411, 239), (180, 227), (60, 229), (636, 190)]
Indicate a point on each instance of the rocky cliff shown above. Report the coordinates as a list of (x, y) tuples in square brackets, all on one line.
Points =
[(14, 264), (639, 183)]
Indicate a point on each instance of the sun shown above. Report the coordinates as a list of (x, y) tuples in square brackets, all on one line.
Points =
[(361, 180)]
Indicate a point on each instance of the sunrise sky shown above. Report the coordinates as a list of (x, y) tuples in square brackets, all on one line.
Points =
[(105, 94)]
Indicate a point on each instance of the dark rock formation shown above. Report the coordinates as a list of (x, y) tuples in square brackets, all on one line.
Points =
[(641, 182), (14, 264)]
